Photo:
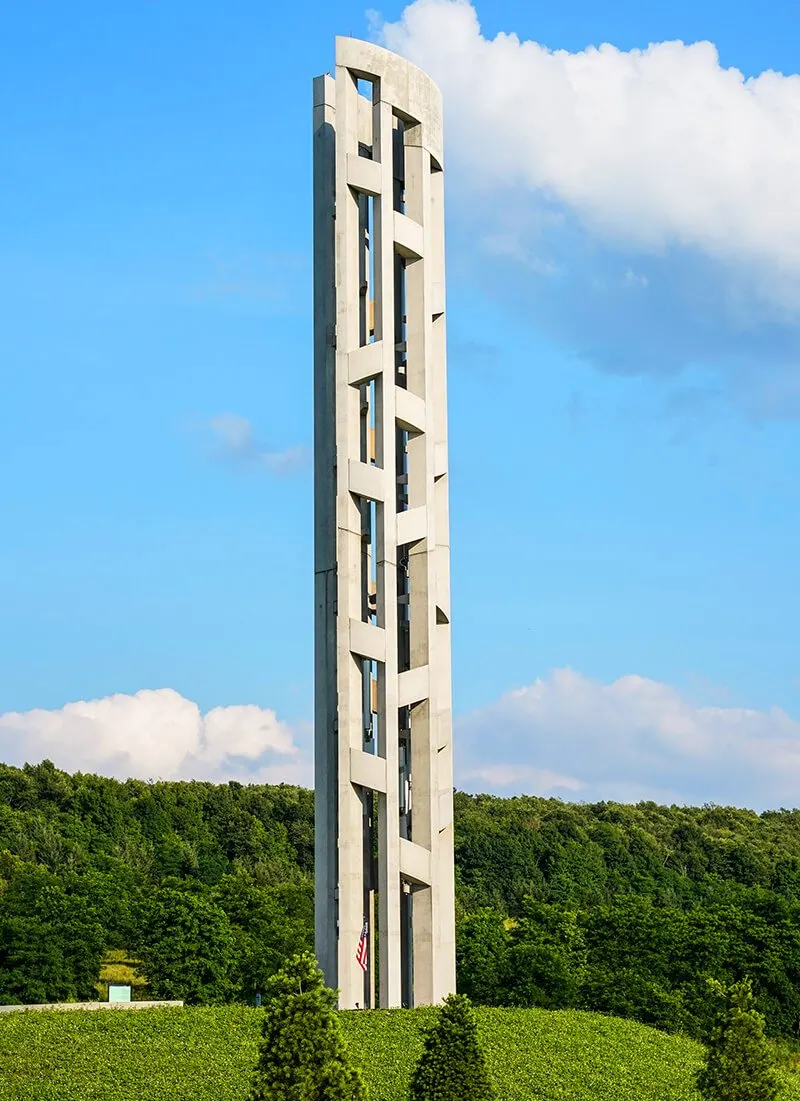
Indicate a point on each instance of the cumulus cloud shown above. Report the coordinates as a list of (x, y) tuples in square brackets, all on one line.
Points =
[(657, 145), (632, 739), (564, 735), (235, 441), (157, 734), (640, 205)]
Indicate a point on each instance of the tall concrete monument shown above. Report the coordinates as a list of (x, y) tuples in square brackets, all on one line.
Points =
[(383, 740)]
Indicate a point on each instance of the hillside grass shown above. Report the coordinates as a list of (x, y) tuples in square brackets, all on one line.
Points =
[(207, 1055)]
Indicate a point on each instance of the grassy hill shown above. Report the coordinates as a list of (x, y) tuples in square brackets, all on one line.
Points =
[(205, 1054)]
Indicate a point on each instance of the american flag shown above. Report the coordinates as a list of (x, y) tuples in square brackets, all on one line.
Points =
[(361, 951)]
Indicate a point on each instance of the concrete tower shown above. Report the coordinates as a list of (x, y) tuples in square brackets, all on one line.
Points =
[(384, 798)]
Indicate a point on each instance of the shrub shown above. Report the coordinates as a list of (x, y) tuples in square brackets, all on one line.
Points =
[(452, 1067), (738, 1065), (302, 1056)]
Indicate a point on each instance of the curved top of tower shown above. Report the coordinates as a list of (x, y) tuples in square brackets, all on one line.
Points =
[(413, 95)]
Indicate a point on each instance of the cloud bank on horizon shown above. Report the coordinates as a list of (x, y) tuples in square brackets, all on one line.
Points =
[(648, 184), (157, 734), (629, 740), (626, 741)]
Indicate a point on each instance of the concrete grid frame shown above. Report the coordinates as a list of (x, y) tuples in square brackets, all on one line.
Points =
[(383, 713)]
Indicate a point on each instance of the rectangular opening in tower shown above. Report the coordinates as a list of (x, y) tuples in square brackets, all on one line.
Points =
[(406, 945), (404, 771), (370, 574), (403, 609), (370, 881), (398, 165), (366, 268), (367, 97), (412, 606), (400, 322), (401, 469)]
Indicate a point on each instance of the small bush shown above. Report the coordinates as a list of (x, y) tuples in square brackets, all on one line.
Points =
[(302, 1056), (452, 1067), (738, 1065)]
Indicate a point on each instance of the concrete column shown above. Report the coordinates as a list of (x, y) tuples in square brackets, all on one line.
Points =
[(380, 371)]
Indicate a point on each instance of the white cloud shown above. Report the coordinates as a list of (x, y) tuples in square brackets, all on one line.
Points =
[(563, 735), (157, 734), (659, 146), (236, 441), (632, 739)]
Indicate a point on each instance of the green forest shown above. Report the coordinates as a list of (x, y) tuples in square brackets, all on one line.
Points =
[(200, 891)]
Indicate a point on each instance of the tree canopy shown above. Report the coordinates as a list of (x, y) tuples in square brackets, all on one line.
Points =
[(625, 909)]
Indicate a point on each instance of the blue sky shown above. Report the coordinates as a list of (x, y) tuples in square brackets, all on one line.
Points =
[(624, 410)]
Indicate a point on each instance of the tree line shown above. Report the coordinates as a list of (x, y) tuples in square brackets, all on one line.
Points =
[(625, 909)]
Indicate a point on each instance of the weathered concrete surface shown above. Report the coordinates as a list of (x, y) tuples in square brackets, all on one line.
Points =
[(382, 569)]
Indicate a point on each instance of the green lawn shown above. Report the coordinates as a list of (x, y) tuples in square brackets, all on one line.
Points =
[(207, 1055)]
